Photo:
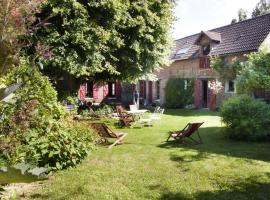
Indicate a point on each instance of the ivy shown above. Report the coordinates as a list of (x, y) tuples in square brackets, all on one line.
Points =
[(226, 70), (179, 92), (255, 73)]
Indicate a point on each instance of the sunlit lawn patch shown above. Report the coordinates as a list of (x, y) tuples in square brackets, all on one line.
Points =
[(147, 167)]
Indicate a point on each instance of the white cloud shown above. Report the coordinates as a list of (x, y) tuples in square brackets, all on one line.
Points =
[(196, 15)]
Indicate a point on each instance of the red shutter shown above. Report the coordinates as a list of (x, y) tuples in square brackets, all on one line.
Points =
[(118, 90), (197, 99), (212, 99), (95, 91), (105, 90), (150, 92), (82, 92)]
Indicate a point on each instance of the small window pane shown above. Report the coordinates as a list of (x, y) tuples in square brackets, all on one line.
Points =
[(231, 86)]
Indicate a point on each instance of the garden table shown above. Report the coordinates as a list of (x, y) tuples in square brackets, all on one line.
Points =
[(138, 112)]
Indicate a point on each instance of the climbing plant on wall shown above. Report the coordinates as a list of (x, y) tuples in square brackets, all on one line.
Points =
[(179, 92), (227, 70)]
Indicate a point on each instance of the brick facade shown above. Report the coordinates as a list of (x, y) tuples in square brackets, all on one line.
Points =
[(190, 69)]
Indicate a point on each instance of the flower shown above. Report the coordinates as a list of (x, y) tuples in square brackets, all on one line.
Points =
[(215, 86)]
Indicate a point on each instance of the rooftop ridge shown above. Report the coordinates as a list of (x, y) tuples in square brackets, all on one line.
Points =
[(234, 24)]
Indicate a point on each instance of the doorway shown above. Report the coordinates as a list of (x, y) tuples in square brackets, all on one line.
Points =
[(204, 93)]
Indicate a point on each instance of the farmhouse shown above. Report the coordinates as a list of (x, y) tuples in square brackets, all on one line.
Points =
[(191, 59)]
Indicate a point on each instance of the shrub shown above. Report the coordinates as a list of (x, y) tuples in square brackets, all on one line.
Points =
[(246, 118), (60, 145), (33, 127), (179, 93)]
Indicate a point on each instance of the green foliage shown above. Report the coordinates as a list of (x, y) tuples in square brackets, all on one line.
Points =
[(246, 118), (57, 145), (33, 127), (68, 98), (36, 89), (255, 73), (15, 19), (242, 14), (179, 93), (262, 8), (226, 70), (111, 39)]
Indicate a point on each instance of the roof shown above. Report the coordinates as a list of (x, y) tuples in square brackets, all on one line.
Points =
[(241, 37), (214, 36)]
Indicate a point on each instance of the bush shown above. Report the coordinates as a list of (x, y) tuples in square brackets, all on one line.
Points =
[(59, 146), (246, 118), (179, 93), (33, 127)]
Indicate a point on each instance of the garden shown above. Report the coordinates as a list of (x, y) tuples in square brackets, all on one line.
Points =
[(49, 152), (148, 167)]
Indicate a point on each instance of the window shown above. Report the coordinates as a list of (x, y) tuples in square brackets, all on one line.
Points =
[(206, 49), (230, 86), (89, 89), (158, 89), (185, 84), (182, 52), (111, 89)]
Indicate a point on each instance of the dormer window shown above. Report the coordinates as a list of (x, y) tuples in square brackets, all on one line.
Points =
[(206, 49)]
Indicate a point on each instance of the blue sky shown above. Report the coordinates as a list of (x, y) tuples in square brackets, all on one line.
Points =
[(194, 16)]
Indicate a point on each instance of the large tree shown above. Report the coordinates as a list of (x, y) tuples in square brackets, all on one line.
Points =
[(263, 7), (242, 15), (104, 39)]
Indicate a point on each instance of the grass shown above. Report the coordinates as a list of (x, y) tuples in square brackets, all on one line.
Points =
[(147, 167)]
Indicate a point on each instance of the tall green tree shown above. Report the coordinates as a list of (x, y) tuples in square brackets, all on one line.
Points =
[(263, 7), (255, 73), (105, 39), (242, 15)]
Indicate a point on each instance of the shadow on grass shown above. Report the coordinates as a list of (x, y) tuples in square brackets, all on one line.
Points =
[(252, 188), (215, 142), (246, 190)]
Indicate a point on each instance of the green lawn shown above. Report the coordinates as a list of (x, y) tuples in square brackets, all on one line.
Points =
[(146, 167)]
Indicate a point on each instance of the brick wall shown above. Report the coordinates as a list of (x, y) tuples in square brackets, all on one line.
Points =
[(189, 69)]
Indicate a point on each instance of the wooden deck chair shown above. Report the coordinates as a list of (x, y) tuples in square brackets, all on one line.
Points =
[(125, 119), (105, 132), (187, 132)]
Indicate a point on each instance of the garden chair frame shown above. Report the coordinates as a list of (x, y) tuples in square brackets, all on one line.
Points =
[(186, 133), (105, 132)]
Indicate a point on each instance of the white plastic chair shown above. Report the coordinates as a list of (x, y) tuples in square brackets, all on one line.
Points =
[(158, 115)]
